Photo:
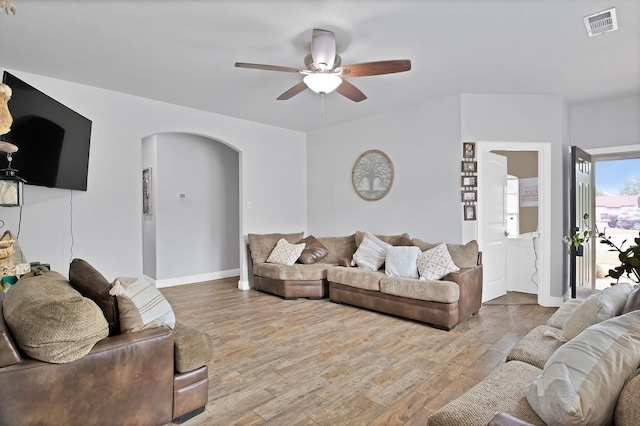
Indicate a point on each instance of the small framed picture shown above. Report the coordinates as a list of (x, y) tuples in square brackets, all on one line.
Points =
[(470, 212), (469, 150), (470, 196), (469, 180), (470, 166)]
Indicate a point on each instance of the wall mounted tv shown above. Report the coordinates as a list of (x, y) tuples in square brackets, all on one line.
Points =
[(52, 139)]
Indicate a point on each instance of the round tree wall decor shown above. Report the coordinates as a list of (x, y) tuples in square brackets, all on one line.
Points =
[(372, 175)]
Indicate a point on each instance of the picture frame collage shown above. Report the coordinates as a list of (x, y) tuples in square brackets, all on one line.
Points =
[(469, 180)]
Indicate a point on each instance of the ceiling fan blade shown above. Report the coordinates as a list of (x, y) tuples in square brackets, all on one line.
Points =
[(323, 48), (375, 68), (266, 67), (293, 91), (350, 91)]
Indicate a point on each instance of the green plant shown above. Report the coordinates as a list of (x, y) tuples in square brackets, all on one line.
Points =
[(629, 257)]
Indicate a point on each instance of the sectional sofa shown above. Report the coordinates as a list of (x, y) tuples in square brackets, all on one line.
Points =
[(581, 367), (442, 303)]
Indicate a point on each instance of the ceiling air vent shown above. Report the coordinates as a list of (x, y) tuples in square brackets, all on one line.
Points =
[(601, 22)]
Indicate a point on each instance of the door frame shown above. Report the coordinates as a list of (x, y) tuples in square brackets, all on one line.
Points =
[(470, 228)]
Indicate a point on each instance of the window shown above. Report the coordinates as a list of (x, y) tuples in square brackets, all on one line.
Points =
[(513, 206)]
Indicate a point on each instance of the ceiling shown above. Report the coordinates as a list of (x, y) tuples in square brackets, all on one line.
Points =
[(183, 52)]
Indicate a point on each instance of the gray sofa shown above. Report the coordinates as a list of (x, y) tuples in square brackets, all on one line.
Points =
[(601, 381), (443, 303)]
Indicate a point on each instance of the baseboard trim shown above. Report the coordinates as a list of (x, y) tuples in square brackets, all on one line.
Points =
[(196, 278)]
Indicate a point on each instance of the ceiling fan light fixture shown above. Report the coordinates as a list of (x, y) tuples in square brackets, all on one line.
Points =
[(322, 82)]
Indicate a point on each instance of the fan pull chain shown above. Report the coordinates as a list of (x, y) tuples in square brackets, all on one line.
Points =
[(322, 101)]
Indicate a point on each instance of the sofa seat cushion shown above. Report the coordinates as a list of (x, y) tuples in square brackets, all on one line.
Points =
[(192, 348), (295, 272), (355, 277), (433, 291), (560, 316), (503, 390), (51, 321), (535, 348)]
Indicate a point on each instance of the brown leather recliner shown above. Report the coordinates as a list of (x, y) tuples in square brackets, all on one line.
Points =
[(125, 379)]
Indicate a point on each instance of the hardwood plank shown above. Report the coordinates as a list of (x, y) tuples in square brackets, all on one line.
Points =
[(317, 363)]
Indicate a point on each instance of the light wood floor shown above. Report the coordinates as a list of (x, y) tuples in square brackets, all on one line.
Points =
[(306, 362)]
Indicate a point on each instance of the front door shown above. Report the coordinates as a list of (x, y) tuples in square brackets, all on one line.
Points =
[(581, 268)]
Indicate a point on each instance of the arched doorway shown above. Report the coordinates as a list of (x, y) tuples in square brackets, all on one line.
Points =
[(192, 225)]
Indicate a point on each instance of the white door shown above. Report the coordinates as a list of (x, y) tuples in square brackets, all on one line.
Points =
[(492, 222)]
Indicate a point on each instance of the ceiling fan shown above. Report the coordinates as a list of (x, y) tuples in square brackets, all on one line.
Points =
[(324, 73)]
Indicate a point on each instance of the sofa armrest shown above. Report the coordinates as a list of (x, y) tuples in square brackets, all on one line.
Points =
[(504, 419), (469, 281), (132, 371)]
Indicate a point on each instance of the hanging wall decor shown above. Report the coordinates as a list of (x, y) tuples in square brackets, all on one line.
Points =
[(146, 191), (469, 180), (372, 175)]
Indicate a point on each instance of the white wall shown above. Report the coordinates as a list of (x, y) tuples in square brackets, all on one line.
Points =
[(197, 235), (609, 123), (424, 145), (106, 218), (525, 118)]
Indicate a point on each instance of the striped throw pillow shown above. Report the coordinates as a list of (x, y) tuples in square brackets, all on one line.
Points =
[(141, 305)]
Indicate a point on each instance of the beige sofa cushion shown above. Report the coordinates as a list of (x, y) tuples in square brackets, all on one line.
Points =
[(570, 388), (296, 272), (503, 390), (261, 245), (192, 348), (535, 348), (338, 247), (394, 240), (354, 277), (596, 308), (560, 316), (51, 321), (463, 255), (628, 406), (433, 291)]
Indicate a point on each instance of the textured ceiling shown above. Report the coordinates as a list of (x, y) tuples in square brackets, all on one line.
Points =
[(183, 52)]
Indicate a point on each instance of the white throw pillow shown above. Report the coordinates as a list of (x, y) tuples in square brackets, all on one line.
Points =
[(285, 253), (436, 263), (402, 261), (581, 381), (596, 308), (141, 305), (371, 252)]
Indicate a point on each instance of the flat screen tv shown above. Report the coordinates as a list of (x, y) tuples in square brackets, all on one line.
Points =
[(52, 139)]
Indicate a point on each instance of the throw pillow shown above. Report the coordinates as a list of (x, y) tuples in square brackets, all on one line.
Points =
[(371, 252), (596, 308), (51, 321), (90, 283), (402, 262), (581, 381), (436, 263), (633, 301), (141, 305), (313, 250), (285, 253)]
